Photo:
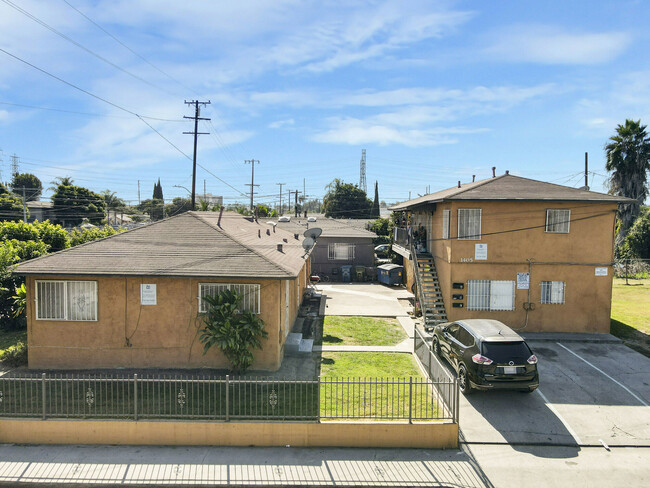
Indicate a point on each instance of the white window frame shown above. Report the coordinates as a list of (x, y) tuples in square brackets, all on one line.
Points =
[(336, 249), (250, 292), (553, 292), (64, 305), (483, 295), (467, 218), (446, 223), (558, 220)]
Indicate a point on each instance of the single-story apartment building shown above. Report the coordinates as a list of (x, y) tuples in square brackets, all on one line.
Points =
[(135, 299)]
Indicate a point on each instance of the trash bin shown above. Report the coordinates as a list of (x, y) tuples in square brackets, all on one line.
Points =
[(346, 273), (390, 274), (360, 273)]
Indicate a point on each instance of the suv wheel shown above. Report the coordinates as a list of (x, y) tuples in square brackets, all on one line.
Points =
[(463, 381)]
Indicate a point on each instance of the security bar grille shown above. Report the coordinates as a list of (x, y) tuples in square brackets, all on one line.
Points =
[(250, 295), (552, 292), (446, 220), (66, 300), (490, 295), (341, 251)]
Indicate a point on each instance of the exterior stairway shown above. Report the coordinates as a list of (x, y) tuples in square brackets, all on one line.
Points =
[(432, 304)]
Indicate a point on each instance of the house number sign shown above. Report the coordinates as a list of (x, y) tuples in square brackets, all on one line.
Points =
[(147, 294)]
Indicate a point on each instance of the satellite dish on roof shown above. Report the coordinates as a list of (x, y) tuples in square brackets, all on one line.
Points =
[(313, 233), (308, 243)]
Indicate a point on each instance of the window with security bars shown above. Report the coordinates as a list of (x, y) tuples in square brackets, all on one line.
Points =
[(490, 295), (339, 251), (66, 300), (446, 220), (250, 295), (558, 220), (469, 224), (552, 292)]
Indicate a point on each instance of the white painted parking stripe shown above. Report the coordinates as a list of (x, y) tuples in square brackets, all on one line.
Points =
[(605, 374), (557, 414)]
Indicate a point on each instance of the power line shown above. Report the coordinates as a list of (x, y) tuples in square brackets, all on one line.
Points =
[(81, 46)]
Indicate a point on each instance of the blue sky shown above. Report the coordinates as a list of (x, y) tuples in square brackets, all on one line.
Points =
[(435, 91)]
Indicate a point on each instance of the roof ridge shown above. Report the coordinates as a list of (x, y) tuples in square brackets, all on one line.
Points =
[(254, 251), (478, 184)]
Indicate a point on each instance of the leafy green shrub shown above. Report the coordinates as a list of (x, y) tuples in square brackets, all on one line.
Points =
[(235, 333), (53, 235), (15, 355)]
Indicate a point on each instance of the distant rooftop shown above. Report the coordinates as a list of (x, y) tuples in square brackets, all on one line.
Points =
[(330, 227)]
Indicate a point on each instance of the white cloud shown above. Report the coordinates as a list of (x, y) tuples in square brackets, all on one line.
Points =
[(551, 45), (354, 131), (281, 123)]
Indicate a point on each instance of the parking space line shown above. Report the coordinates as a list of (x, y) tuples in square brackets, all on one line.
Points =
[(605, 374), (557, 414)]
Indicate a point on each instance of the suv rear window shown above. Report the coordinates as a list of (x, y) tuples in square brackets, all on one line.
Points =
[(502, 352)]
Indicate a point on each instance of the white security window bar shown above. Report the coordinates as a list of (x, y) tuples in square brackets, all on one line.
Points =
[(340, 251), (469, 224), (558, 220), (553, 292), (250, 295), (446, 221), (66, 300), (490, 295)]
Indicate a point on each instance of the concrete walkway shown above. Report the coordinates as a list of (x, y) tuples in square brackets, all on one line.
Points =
[(202, 466)]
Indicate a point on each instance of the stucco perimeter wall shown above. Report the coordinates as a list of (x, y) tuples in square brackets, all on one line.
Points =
[(328, 434), (130, 335)]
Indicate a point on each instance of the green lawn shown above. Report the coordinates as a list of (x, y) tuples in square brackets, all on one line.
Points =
[(387, 395), (9, 338), (362, 331), (630, 316)]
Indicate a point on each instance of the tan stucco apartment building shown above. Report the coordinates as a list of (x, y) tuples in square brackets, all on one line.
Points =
[(134, 300), (534, 255)]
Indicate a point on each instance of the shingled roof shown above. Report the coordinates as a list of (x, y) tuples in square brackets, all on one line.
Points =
[(510, 187), (330, 227), (192, 244)]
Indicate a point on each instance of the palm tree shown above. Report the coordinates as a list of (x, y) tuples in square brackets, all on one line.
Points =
[(58, 181), (628, 159)]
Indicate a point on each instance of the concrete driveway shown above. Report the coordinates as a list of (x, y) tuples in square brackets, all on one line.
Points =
[(591, 394), (365, 299)]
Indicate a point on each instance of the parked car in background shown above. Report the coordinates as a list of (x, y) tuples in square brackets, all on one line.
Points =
[(382, 250), (486, 355)]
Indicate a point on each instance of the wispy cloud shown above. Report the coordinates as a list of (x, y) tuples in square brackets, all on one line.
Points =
[(282, 123), (553, 45)]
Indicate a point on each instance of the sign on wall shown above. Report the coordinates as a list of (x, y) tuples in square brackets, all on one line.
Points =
[(480, 252), (601, 271), (523, 281), (148, 294)]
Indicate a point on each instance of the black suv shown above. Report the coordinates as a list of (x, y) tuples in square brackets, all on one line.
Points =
[(486, 355)]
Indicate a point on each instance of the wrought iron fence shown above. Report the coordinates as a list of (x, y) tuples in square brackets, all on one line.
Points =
[(220, 398), (438, 374)]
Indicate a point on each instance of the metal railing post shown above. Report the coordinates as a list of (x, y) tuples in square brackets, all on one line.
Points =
[(135, 397), (43, 389), (410, 399), (318, 399), (227, 398)]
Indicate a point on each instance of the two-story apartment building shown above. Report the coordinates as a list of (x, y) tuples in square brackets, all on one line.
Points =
[(534, 255)]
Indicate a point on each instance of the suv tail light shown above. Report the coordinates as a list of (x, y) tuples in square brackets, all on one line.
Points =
[(532, 359), (478, 359)]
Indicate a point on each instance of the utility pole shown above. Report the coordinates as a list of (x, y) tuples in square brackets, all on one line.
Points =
[(296, 204), (24, 207), (196, 133), (139, 192), (281, 184), (252, 183), (362, 172), (586, 171)]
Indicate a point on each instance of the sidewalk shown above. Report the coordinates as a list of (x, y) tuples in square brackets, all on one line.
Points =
[(155, 466)]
